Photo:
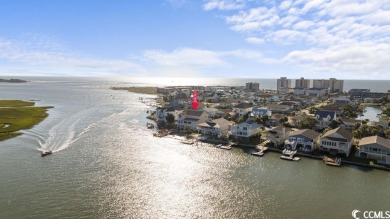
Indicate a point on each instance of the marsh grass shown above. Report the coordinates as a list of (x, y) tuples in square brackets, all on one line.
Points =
[(16, 115)]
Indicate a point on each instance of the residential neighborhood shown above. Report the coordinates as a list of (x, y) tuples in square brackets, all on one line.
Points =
[(324, 122)]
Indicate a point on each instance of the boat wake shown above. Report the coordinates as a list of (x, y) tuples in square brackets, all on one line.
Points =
[(65, 133)]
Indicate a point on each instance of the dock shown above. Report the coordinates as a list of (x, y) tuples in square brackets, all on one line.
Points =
[(187, 142), (289, 155), (260, 151), (332, 162), (290, 158)]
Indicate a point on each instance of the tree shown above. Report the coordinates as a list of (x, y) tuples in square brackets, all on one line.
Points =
[(264, 119), (334, 124), (187, 129), (308, 123), (386, 111), (170, 119), (349, 111), (283, 119), (387, 133)]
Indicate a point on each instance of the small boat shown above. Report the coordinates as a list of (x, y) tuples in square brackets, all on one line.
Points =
[(332, 162), (187, 142), (226, 147), (149, 126), (289, 152), (218, 145), (290, 158), (45, 153), (259, 153)]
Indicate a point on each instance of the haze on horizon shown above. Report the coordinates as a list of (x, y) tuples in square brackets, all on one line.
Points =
[(345, 39)]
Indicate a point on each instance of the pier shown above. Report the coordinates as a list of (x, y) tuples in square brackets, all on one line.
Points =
[(260, 151)]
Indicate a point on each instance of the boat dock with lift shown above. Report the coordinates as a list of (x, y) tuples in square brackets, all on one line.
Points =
[(289, 155), (260, 150), (332, 161), (225, 147)]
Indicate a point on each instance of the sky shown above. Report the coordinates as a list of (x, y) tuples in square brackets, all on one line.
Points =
[(345, 39)]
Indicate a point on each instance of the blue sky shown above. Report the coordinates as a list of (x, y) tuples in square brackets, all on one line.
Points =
[(346, 39)]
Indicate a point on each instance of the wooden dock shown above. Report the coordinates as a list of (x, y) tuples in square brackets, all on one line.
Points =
[(260, 151)]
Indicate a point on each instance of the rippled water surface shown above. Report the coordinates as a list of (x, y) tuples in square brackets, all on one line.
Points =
[(106, 164)]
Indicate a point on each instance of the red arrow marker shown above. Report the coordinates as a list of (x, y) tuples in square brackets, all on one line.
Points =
[(195, 103)]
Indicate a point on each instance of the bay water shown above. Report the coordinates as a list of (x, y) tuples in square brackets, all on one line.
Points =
[(107, 164)]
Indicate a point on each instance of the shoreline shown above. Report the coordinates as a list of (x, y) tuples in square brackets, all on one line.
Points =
[(139, 90)]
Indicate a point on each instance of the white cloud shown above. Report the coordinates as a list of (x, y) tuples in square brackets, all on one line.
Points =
[(359, 59), (255, 40), (42, 53), (223, 5), (285, 5), (184, 56), (303, 25), (254, 19), (338, 35), (202, 58)]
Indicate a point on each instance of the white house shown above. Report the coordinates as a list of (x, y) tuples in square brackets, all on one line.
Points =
[(191, 118), (242, 109), (303, 140), (245, 130), (216, 127), (337, 140), (375, 147)]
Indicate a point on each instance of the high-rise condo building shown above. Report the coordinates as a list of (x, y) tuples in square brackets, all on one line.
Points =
[(283, 85), (252, 86), (333, 85), (302, 83)]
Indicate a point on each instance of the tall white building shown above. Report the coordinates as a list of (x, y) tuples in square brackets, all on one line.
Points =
[(252, 86), (332, 85), (283, 85), (302, 83)]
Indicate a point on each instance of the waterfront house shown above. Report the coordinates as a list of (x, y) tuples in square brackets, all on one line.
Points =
[(191, 119), (260, 112), (337, 140), (375, 147), (303, 140), (245, 131), (324, 118), (162, 113), (242, 109), (277, 135), (216, 127)]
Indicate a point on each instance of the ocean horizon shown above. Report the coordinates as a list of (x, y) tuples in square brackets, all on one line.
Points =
[(265, 83)]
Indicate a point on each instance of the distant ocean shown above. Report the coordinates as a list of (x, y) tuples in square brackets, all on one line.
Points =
[(373, 85)]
